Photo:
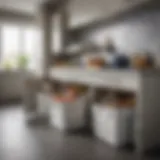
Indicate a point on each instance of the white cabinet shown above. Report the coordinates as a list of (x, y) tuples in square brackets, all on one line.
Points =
[(113, 125), (68, 116), (146, 86)]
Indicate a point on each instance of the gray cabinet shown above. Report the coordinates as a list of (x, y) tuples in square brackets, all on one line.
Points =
[(12, 84)]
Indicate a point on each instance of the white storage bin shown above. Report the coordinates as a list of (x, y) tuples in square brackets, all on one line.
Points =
[(113, 125), (68, 116)]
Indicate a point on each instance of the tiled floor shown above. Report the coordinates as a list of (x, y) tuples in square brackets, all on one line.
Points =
[(19, 141)]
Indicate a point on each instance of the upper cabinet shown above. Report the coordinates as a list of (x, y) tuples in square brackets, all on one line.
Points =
[(83, 12)]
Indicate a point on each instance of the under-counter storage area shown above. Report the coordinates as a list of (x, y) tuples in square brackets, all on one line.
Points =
[(68, 116), (113, 117), (119, 114), (65, 105), (115, 104), (113, 125)]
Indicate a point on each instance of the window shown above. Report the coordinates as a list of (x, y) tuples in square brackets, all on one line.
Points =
[(32, 47), (10, 45), (17, 41), (29, 47)]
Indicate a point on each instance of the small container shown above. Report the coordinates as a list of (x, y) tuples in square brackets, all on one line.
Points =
[(121, 61), (113, 125), (143, 61)]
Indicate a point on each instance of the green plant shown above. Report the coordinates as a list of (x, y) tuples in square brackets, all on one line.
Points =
[(22, 61), (8, 65)]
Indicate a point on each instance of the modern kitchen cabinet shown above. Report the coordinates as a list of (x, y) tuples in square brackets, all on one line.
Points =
[(145, 85)]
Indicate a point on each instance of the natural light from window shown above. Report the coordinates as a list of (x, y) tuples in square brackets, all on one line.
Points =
[(19, 43)]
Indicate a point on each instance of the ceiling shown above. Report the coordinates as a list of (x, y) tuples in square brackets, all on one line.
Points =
[(81, 11), (25, 6), (87, 11)]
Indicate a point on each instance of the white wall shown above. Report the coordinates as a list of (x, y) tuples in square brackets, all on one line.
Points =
[(136, 34)]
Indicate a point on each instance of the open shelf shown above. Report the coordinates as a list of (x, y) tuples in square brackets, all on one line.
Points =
[(116, 79)]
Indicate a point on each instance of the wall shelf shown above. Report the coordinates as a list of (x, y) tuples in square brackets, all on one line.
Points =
[(116, 79)]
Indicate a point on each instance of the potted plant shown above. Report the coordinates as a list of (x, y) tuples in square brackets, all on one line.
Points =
[(22, 61)]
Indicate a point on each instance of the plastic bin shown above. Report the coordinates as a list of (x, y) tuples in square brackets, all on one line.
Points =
[(69, 116), (113, 125)]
